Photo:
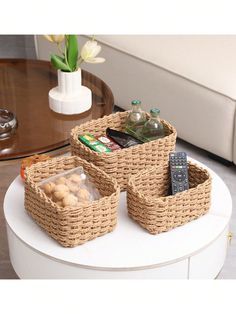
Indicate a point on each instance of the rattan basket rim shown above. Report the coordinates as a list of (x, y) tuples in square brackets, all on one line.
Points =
[(134, 188), (74, 136), (60, 209)]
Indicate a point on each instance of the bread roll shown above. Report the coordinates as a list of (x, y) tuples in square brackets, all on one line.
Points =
[(70, 200), (83, 195), (61, 180), (75, 178), (73, 187), (61, 188), (59, 195), (49, 187)]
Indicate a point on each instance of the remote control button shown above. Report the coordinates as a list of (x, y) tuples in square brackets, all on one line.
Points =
[(179, 176)]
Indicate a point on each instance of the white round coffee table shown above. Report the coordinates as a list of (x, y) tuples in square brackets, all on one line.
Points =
[(195, 250)]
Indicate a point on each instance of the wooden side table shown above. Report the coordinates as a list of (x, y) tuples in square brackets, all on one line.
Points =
[(24, 87)]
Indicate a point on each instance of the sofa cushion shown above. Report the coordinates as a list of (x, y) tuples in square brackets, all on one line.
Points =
[(209, 60)]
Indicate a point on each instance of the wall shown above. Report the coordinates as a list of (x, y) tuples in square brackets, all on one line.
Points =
[(17, 46)]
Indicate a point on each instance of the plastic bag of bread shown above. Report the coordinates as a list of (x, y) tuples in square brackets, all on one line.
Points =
[(70, 188)]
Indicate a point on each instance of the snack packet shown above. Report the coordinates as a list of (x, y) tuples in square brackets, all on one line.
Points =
[(71, 188), (90, 141), (108, 142)]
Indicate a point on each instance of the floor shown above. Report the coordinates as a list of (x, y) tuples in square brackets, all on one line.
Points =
[(228, 174), (11, 46), (7, 174)]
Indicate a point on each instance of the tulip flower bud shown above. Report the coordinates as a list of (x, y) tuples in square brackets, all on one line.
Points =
[(89, 52), (55, 38)]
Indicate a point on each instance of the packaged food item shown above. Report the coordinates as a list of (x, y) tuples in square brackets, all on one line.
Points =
[(70, 188), (28, 161), (123, 139), (108, 142), (90, 141)]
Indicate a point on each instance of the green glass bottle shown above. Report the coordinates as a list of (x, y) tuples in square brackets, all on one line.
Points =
[(135, 119), (153, 128)]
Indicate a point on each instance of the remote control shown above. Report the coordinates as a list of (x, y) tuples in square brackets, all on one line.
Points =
[(178, 172)]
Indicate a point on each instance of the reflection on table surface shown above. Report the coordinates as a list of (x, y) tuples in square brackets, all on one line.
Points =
[(24, 87)]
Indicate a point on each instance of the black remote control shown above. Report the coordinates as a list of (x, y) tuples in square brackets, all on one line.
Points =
[(179, 172)]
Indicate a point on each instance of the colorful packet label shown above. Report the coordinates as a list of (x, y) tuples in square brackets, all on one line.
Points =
[(90, 141), (108, 142)]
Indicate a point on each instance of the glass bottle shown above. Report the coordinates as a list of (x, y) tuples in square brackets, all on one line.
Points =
[(153, 128), (135, 119)]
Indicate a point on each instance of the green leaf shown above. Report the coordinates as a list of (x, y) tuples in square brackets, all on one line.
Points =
[(72, 51), (59, 63)]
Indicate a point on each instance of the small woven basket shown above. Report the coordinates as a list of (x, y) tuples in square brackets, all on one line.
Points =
[(150, 205), (71, 226), (121, 164)]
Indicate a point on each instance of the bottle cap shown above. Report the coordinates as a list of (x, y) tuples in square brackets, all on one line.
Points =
[(136, 102), (155, 112)]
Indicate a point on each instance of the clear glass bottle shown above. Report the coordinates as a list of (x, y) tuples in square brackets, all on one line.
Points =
[(135, 119), (153, 128)]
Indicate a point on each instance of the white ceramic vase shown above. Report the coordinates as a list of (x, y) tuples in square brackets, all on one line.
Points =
[(70, 97)]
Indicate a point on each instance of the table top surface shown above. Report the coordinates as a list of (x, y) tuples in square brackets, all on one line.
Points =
[(129, 246), (24, 87)]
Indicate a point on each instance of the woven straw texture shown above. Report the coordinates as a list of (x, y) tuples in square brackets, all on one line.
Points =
[(71, 226), (125, 162), (150, 205)]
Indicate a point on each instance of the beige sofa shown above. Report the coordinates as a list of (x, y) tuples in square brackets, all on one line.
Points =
[(192, 79)]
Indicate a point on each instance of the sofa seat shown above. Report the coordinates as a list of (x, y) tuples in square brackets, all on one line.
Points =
[(207, 60), (190, 78)]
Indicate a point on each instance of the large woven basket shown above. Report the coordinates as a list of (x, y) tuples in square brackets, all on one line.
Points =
[(71, 226), (149, 204), (123, 163)]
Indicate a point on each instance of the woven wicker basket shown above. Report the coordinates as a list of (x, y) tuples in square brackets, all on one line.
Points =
[(125, 162), (71, 226), (149, 205)]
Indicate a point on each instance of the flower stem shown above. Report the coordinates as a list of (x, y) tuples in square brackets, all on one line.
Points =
[(65, 54)]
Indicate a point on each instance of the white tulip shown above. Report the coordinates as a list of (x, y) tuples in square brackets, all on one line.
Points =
[(55, 38), (89, 52)]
